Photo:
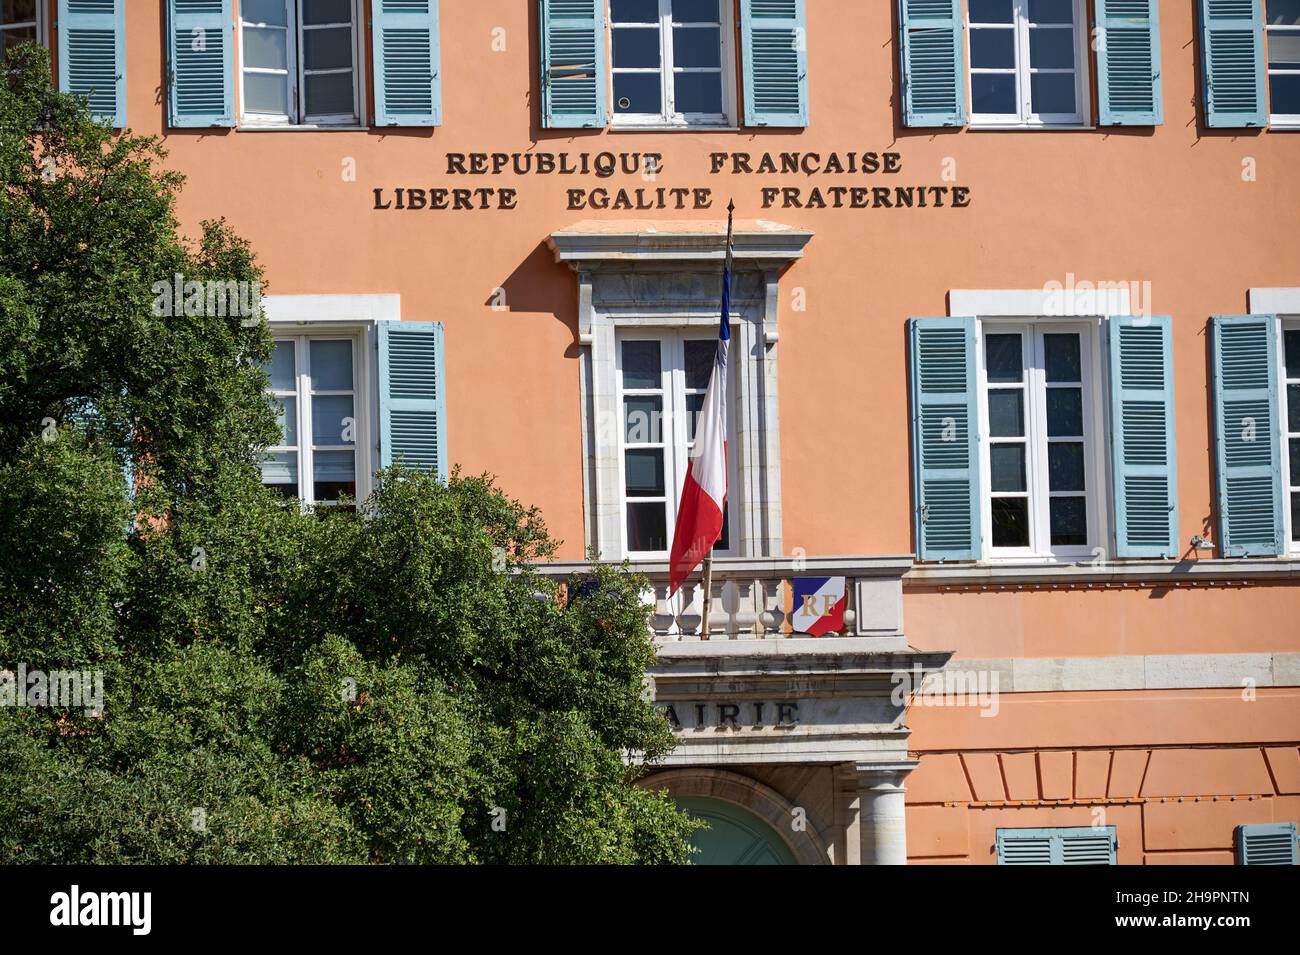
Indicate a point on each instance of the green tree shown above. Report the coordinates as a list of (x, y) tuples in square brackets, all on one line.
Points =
[(384, 683)]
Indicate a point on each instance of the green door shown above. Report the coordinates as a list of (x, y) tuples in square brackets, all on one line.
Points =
[(735, 835)]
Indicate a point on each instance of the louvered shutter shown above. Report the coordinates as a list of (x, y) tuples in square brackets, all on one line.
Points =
[(1024, 847), (1087, 845), (408, 69), (573, 63), (1267, 843), (1247, 446), (1128, 63), (774, 58), (1075, 845), (945, 449), (1143, 458), (201, 58), (92, 55), (412, 405), (1232, 63), (933, 62)]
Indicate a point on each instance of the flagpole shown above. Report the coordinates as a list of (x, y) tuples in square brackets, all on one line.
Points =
[(708, 558)]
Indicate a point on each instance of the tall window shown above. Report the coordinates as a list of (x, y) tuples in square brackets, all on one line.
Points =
[(668, 62), (20, 22), (298, 62), (662, 382), (314, 389), (1291, 361), (1282, 18), (1026, 62), (1037, 396)]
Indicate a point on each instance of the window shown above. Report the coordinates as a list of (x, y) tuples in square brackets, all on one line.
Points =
[(670, 62), (662, 381), (1267, 843), (20, 22), (1072, 845), (299, 61), (314, 388), (1291, 417), (1027, 62), (1036, 396), (1282, 20)]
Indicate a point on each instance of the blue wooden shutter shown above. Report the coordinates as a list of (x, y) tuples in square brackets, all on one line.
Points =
[(945, 448), (1267, 843), (412, 404), (573, 63), (1072, 845), (1232, 63), (407, 63), (201, 60), (1247, 448), (1128, 63), (774, 59), (1143, 459), (92, 55), (933, 62)]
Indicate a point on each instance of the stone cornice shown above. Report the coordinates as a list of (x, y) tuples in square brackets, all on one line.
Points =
[(595, 244)]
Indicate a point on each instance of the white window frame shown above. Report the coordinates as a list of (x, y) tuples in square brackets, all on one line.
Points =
[(298, 117), (672, 351), (1279, 119), (1287, 323), (41, 36), (668, 116), (1026, 118)]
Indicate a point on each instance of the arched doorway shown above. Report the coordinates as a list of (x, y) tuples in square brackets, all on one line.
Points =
[(735, 835)]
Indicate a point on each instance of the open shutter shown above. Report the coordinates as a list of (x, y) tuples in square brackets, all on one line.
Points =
[(92, 55), (774, 57), (933, 62), (1082, 845), (201, 59), (1247, 448), (945, 458), (1143, 457), (573, 63), (1267, 843), (1232, 63), (412, 407), (408, 71), (1128, 63)]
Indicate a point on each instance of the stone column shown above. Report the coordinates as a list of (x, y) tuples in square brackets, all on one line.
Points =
[(882, 825)]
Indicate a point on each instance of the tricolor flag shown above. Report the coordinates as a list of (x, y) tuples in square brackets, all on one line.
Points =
[(818, 605), (704, 494)]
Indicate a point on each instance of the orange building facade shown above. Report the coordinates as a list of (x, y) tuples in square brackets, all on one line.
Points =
[(1015, 321)]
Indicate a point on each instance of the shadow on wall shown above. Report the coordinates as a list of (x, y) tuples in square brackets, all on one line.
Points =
[(539, 285)]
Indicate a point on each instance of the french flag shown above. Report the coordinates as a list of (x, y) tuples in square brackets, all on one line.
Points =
[(704, 494)]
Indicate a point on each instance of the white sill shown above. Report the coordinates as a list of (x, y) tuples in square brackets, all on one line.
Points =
[(300, 128), (1001, 128), (1274, 126), (630, 128)]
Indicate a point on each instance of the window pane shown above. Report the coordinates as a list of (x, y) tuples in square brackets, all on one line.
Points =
[(280, 470), (327, 424), (1293, 408), (645, 472), (1295, 515), (990, 11), (286, 416), (1295, 462), (18, 11), (1007, 467), (326, 11), (331, 365), (698, 92), (993, 93), (697, 46), (1006, 413), (266, 93), (641, 365), (1061, 353), (1051, 49), (694, 404), (724, 541), (643, 419), (993, 49), (1010, 522), (280, 367), (1291, 338), (1284, 93), (1051, 93), (700, 355), (647, 527), (263, 11), (1068, 520), (1051, 11), (1002, 357), (1065, 466), (329, 94), (695, 11), (1064, 412), (636, 47), (334, 474), (1284, 49), (19, 35), (265, 48), (637, 93), (634, 11), (1282, 12), (327, 49)]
